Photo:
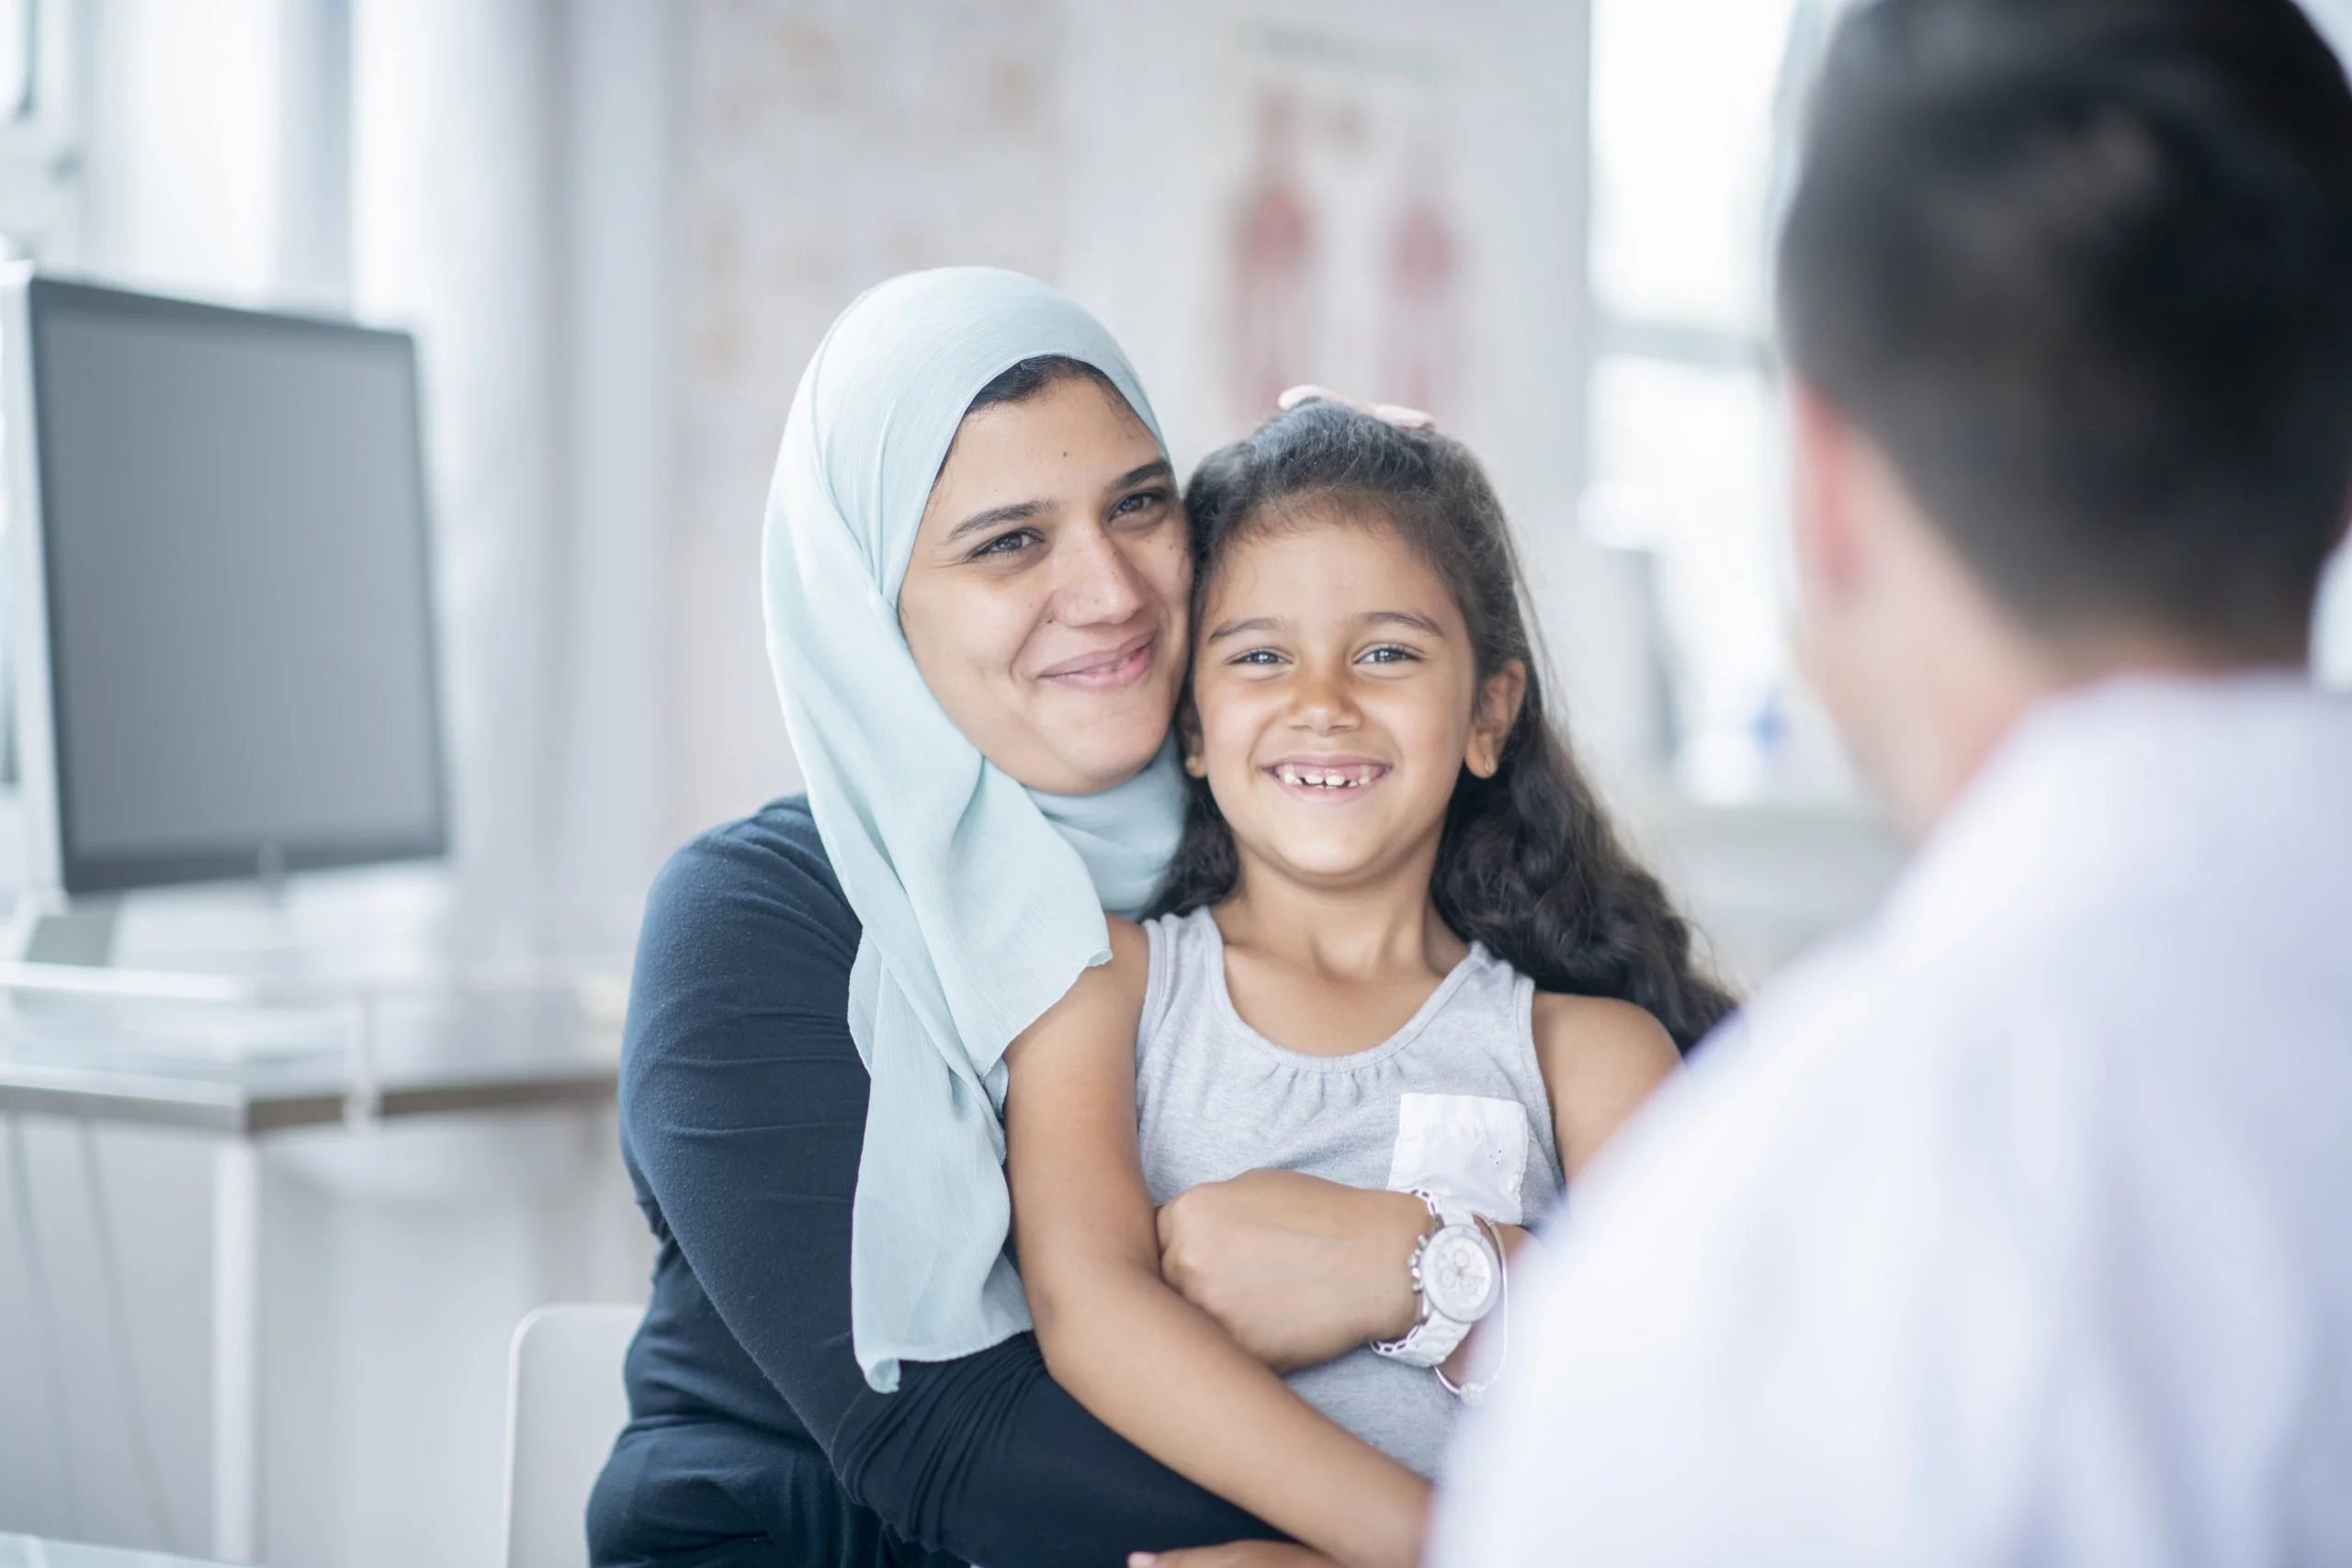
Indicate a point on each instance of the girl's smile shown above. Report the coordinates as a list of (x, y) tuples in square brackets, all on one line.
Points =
[(1328, 778)]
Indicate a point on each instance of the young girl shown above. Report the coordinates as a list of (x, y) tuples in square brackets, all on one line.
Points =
[(1400, 946)]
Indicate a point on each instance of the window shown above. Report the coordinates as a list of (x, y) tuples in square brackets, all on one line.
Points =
[(15, 59), (1693, 110), (40, 143), (1685, 437), (39, 188)]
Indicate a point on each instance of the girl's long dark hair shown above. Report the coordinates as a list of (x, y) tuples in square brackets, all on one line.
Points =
[(1529, 863)]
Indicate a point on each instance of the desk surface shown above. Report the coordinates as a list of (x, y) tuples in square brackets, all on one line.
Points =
[(27, 1552), (248, 1070)]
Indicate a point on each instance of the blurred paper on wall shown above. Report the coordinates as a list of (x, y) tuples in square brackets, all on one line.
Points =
[(1389, 201), (1347, 254)]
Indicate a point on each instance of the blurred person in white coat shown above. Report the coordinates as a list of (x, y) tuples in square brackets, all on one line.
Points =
[(2017, 1228)]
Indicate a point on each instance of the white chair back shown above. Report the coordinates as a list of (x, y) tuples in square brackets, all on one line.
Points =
[(565, 1406)]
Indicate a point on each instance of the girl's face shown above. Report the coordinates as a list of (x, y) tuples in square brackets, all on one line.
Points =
[(1337, 699), (1045, 599)]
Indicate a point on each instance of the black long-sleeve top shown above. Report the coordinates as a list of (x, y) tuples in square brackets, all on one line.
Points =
[(753, 1437)]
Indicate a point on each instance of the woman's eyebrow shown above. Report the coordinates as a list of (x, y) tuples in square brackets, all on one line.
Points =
[(1156, 469), (1022, 511), (994, 517)]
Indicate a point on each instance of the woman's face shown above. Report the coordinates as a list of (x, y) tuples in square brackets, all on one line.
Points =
[(1045, 600), (1337, 701)]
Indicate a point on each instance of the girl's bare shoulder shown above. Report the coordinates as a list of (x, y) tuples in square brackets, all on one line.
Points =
[(1600, 1058), (1600, 1026), (1130, 949), (1104, 995)]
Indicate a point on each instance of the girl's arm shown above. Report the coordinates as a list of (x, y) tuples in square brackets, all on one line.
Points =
[(1153, 1367), (1298, 1270), (1600, 1059)]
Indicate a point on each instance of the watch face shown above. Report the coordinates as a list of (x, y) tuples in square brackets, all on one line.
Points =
[(1459, 1274)]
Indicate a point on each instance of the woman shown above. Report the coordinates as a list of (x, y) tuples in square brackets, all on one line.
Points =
[(978, 586)]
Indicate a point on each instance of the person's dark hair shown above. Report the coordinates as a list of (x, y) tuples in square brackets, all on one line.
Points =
[(2083, 268), (1020, 382), (1529, 863), (1025, 380)]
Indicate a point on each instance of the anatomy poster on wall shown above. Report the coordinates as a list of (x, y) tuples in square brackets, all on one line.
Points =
[(1346, 260)]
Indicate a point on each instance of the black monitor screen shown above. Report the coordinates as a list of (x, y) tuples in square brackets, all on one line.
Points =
[(240, 628)]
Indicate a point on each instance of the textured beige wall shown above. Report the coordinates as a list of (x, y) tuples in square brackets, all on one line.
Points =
[(824, 145)]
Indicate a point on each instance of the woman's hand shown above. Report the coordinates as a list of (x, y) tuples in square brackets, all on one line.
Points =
[(1398, 414), (1295, 1268), (1241, 1554)]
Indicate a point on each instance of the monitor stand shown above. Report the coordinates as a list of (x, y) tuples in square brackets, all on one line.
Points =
[(62, 974), (77, 945), (80, 933), (236, 962)]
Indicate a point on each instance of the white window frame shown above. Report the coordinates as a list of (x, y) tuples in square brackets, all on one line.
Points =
[(41, 150), (1615, 334)]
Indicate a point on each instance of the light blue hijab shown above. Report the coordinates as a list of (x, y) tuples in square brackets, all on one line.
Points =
[(981, 900)]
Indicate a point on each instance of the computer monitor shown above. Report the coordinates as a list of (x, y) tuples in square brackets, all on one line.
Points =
[(221, 596)]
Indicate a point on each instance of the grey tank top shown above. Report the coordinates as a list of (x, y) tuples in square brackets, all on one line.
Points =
[(1454, 1101)]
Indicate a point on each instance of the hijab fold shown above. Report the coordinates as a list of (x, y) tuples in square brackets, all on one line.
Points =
[(980, 901)]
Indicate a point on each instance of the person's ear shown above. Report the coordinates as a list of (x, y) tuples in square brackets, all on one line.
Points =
[(1500, 697), (1827, 530), (1188, 739)]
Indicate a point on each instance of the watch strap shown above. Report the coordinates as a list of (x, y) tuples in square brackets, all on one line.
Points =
[(1436, 1336)]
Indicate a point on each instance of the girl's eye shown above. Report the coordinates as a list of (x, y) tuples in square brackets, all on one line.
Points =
[(1257, 656), (1388, 653), (1006, 544)]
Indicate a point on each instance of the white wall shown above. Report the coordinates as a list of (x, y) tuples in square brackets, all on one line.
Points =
[(440, 162), (452, 222), (611, 634), (186, 126)]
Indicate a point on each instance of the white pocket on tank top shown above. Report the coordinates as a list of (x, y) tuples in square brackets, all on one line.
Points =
[(1471, 1148)]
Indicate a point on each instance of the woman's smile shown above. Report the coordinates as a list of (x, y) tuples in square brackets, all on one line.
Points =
[(1109, 669)]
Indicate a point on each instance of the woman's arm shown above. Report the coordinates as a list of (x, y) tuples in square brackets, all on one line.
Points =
[(1601, 1059), (743, 1112), (1153, 1366), (1296, 1269)]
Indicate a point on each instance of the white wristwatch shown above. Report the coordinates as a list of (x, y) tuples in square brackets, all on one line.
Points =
[(1458, 1275)]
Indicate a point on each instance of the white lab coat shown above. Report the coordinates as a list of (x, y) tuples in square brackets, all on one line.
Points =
[(2016, 1229)]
